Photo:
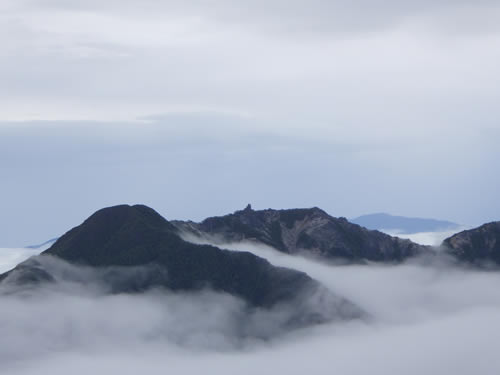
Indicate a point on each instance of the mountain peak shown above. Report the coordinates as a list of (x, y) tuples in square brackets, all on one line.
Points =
[(117, 240), (101, 237), (125, 212)]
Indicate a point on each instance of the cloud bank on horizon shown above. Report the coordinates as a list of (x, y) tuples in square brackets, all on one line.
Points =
[(199, 108)]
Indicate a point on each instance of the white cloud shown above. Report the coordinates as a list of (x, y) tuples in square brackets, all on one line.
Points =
[(10, 257), (169, 55), (434, 319), (426, 238)]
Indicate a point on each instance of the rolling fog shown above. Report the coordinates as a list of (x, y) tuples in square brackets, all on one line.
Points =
[(425, 318)]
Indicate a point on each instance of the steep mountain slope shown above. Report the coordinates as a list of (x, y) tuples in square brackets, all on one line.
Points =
[(311, 230), (479, 245), (408, 225), (136, 249)]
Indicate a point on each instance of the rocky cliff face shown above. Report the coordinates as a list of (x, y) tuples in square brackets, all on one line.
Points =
[(479, 245), (135, 249), (311, 230)]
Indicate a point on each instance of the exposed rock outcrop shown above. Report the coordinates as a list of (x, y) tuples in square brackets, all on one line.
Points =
[(311, 230), (477, 246)]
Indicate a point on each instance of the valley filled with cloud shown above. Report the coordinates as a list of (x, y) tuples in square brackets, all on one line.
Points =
[(438, 318)]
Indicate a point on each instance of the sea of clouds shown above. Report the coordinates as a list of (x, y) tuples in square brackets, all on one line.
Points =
[(425, 317)]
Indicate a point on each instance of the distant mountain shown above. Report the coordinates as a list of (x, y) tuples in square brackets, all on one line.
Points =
[(478, 246), (118, 240), (401, 224), (310, 229), (45, 244)]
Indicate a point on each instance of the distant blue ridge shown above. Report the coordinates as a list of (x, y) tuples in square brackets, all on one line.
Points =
[(51, 241), (406, 225)]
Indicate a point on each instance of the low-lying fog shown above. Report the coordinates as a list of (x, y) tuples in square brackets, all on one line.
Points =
[(10, 257), (426, 238), (434, 319)]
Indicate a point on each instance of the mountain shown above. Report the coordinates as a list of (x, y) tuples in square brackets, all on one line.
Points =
[(310, 229), (401, 224), (135, 249), (477, 246)]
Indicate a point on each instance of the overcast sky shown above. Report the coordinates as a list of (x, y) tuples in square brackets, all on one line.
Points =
[(198, 109)]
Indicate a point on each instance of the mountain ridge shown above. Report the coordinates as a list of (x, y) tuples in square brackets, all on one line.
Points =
[(305, 229), (137, 236)]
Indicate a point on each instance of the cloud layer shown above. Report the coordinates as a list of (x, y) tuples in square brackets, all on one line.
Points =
[(434, 319)]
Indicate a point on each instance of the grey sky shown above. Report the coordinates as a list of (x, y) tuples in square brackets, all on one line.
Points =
[(197, 109)]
